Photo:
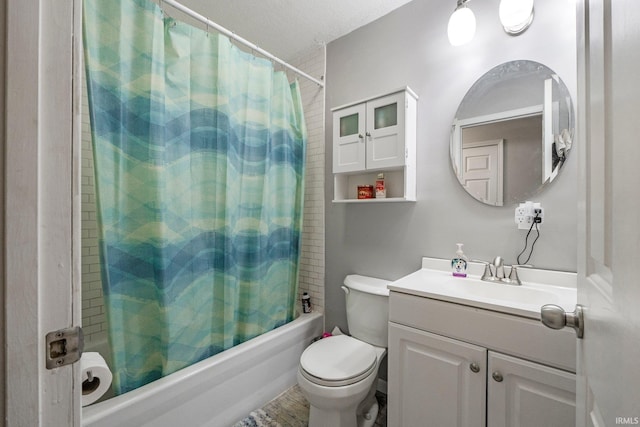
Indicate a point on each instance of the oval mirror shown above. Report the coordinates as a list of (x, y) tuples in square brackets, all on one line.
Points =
[(512, 133)]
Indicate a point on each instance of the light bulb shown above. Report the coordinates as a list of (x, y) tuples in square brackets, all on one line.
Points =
[(516, 15), (462, 26)]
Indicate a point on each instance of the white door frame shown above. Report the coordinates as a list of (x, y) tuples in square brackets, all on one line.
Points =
[(459, 125), (42, 201)]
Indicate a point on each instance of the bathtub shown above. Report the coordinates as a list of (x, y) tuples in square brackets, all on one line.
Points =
[(217, 391)]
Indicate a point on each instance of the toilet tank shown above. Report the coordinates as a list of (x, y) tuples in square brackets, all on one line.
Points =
[(367, 300)]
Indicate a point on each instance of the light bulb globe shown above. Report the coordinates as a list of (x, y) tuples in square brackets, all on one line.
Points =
[(461, 27), (515, 15)]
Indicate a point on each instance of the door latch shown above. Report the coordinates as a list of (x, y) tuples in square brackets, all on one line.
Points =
[(64, 347)]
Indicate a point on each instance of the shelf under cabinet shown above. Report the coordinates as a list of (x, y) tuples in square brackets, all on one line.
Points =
[(385, 200), (398, 184)]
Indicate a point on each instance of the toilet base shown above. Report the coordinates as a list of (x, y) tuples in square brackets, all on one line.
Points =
[(324, 418), (327, 418), (368, 413), (354, 414)]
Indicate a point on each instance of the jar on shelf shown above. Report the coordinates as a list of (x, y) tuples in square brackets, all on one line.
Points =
[(365, 191)]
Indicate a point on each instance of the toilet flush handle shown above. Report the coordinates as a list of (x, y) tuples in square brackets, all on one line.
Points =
[(345, 289)]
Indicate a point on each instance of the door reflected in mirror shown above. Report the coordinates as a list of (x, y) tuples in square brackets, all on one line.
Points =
[(512, 133)]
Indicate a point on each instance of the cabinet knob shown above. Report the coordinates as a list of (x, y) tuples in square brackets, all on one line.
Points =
[(474, 367), (497, 376), (368, 133), (360, 136)]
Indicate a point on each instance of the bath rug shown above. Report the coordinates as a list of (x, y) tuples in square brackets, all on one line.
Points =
[(258, 418)]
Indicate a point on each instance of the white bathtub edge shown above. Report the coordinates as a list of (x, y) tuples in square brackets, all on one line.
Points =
[(216, 391)]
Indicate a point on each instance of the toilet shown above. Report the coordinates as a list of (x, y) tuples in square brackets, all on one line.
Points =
[(338, 374)]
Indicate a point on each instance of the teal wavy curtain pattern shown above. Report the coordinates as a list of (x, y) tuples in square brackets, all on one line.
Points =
[(199, 154)]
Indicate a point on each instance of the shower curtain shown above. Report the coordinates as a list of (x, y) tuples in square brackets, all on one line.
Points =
[(199, 154)]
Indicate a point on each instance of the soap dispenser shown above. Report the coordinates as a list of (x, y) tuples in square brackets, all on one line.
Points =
[(459, 263)]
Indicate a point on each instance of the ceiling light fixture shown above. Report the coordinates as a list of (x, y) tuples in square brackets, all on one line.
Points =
[(462, 24), (516, 15)]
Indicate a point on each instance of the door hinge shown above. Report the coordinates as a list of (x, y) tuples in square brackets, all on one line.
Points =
[(64, 347)]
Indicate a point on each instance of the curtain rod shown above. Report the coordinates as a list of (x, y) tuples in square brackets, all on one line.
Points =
[(239, 39)]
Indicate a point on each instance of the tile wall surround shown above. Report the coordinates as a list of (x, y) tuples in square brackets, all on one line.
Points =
[(94, 322), (313, 63), (312, 257)]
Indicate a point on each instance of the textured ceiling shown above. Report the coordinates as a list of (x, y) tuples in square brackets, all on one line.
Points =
[(287, 28)]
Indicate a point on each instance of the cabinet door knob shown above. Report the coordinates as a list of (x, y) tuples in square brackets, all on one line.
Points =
[(360, 136), (368, 134), (474, 367), (497, 376)]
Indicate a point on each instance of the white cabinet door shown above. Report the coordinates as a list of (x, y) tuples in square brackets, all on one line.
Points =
[(432, 381), (385, 131), (349, 139), (526, 394)]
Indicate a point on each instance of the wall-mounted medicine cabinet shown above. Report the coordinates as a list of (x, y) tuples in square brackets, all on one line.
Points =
[(372, 136)]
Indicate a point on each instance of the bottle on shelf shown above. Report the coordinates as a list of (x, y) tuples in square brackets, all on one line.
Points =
[(306, 303), (381, 192)]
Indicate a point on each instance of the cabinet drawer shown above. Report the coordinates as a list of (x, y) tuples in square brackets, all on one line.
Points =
[(525, 338)]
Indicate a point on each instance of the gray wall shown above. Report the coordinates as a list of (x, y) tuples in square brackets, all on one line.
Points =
[(410, 47)]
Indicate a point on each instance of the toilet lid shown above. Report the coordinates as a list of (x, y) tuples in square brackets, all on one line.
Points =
[(338, 359)]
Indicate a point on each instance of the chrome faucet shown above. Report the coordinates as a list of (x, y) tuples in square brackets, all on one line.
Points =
[(498, 265), (494, 272), (513, 275)]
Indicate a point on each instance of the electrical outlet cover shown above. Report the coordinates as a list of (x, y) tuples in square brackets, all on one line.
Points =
[(525, 214)]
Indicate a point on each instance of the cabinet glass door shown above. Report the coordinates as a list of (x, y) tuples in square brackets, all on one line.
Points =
[(349, 125), (385, 133), (385, 116), (348, 139)]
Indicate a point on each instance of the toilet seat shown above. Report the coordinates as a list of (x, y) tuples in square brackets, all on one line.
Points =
[(338, 361)]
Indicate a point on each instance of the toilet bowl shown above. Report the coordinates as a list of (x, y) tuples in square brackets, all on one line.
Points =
[(338, 375)]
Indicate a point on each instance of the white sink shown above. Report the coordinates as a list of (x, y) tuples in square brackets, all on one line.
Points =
[(525, 300)]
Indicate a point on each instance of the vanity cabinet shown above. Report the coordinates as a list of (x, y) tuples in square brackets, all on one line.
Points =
[(521, 393), (455, 365), (434, 380), (373, 136)]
